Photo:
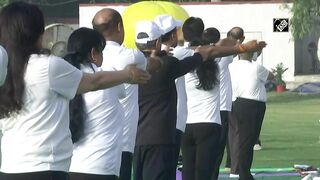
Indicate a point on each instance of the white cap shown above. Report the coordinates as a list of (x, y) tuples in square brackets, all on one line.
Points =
[(150, 28), (167, 23), (3, 64)]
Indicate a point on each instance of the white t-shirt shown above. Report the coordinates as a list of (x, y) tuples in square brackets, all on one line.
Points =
[(99, 149), (38, 137), (203, 106), (3, 65), (248, 80), (182, 108), (118, 57), (225, 83)]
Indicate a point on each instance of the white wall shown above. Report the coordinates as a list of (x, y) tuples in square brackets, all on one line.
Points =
[(255, 19)]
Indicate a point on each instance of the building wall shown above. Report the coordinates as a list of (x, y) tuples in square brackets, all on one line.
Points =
[(255, 18)]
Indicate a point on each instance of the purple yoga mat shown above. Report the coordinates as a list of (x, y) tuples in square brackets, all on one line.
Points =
[(178, 175)]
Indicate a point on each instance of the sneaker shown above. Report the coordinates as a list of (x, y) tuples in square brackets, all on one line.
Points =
[(237, 175), (257, 147), (227, 169), (234, 176)]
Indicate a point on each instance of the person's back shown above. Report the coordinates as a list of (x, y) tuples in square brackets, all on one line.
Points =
[(248, 80), (157, 101), (248, 109), (100, 143), (45, 94), (202, 105), (158, 108), (116, 57)]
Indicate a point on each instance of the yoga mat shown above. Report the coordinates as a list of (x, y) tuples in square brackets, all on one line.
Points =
[(257, 170)]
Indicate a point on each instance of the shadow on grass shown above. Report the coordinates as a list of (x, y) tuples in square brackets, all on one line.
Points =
[(286, 97)]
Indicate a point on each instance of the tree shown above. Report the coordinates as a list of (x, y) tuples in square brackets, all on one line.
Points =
[(3, 2), (306, 14)]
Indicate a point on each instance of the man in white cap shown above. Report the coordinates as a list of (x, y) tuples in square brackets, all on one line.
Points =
[(109, 23), (169, 40), (155, 144), (3, 65)]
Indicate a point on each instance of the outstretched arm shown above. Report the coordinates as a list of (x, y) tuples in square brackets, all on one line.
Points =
[(221, 51), (106, 79)]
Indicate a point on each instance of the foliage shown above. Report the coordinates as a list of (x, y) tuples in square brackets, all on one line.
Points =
[(306, 14), (3, 2), (278, 72)]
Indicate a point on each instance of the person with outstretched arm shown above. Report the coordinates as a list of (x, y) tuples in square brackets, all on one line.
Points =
[(34, 100), (155, 143)]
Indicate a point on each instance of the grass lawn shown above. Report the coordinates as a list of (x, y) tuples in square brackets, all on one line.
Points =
[(290, 133)]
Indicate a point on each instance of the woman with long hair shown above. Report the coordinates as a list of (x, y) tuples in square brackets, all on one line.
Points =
[(34, 100), (96, 117), (201, 138)]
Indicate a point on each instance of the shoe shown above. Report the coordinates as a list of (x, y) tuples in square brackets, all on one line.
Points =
[(234, 175), (257, 147), (237, 175)]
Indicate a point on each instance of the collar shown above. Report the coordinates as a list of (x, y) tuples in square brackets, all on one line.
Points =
[(112, 43), (244, 60)]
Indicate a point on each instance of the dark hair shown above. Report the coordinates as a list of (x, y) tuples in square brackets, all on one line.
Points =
[(166, 37), (21, 26), (192, 29), (109, 24), (208, 75), (207, 72), (211, 35), (80, 44)]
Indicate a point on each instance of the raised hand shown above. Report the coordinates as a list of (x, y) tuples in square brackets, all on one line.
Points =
[(253, 46)]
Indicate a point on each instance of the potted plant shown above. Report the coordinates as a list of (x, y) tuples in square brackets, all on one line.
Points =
[(278, 72)]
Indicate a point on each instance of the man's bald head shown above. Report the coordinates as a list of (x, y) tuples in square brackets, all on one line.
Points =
[(107, 21), (246, 56), (236, 33)]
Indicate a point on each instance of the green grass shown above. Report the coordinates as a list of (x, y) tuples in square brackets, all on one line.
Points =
[(291, 131)]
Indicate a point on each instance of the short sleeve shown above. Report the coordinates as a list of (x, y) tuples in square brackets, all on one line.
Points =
[(182, 52), (263, 73), (139, 59), (3, 65), (63, 77), (130, 56)]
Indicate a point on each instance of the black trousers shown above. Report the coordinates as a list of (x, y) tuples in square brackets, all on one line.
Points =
[(154, 162), (177, 147), (233, 143), (83, 176), (200, 144), (222, 143), (248, 117), (43, 175), (126, 166), (228, 158)]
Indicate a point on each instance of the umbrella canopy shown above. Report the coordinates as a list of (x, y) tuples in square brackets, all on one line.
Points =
[(148, 10)]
